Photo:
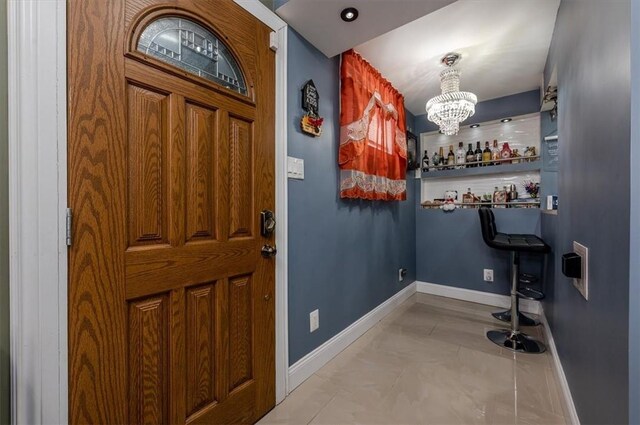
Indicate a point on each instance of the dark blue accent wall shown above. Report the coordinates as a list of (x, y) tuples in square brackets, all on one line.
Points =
[(634, 255), (489, 110), (344, 256), (451, 251), (449, 246), (591, 52)]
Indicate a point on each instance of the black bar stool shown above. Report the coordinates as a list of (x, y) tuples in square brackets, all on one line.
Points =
[(512, 338)]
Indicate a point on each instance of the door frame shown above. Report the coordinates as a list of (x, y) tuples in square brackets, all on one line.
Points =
[(38, 200)]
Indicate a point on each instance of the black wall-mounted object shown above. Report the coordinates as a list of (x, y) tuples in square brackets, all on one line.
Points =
[(572, 265), (310, 99)]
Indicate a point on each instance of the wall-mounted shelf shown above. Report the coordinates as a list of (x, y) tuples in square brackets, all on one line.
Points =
[(533, 165), (514, 205)]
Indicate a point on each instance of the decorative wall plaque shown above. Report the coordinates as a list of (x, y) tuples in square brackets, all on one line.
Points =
[(311, 122)]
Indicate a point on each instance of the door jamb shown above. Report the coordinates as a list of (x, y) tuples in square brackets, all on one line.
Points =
[(38, 200)]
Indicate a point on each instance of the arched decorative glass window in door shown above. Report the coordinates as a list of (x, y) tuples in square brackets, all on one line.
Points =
[(187, 45)]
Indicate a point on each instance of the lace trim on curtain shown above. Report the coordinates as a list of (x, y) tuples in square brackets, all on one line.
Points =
[(370, 183)]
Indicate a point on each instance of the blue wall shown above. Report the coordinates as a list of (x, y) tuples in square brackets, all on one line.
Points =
[(591, 52), (344, 256), (489, 110), (450, 250), (634, 270)]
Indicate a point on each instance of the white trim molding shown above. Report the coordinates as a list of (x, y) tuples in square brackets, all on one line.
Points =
[(263, 13), (312, 362), (479, 297), (562, 379), (37, 204)]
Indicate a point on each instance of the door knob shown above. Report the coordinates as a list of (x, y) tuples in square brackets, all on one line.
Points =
[(269, 251)]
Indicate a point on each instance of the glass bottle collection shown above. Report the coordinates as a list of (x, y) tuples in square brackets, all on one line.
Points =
[(461, 158)]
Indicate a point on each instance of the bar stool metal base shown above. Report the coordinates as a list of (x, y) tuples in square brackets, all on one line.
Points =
[(505, 316), (516, 341)]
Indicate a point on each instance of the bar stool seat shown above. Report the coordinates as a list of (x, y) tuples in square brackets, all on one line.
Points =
[(512, 338)]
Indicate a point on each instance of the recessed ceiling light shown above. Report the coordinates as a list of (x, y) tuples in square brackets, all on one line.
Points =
[(506, 120), (349, 14), (474, 125)]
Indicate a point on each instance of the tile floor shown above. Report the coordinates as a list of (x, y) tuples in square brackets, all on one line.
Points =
[(428, 362)]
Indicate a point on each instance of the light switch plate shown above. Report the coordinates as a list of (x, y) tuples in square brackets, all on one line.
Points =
[(582, 284), (295, 168), (314, 320)]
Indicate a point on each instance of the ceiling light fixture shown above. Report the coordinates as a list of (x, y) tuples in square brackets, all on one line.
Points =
[(474, 125), (453, 106), (505, 120), (349, 14)]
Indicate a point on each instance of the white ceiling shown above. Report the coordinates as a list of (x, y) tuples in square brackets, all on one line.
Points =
[(319, 20), (504, 46)]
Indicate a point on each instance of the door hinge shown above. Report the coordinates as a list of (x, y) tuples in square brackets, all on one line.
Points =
[(69, 225), (273, 41)]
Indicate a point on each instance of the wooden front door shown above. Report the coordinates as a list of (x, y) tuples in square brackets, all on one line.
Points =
[(170, 162)]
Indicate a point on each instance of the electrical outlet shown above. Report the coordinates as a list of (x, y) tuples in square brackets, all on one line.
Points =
[(314, 320), (582, 284), (401, 274), (488, 275)]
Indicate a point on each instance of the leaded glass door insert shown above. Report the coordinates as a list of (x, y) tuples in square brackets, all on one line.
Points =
[(189, 46)]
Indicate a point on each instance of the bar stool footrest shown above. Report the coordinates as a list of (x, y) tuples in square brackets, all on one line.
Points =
[(505, 316), (516, 341), (530, 293)]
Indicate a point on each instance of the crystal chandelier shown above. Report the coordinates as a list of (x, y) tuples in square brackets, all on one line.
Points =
[(453, 106)]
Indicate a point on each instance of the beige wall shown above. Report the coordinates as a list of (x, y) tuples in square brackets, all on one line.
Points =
[(4, 226)]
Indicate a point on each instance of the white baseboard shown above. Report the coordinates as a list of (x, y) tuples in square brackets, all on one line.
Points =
[(312, 362), (479, 297), (557, 365)]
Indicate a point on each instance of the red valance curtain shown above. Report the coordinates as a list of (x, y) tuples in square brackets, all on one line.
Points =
[(373, 145)]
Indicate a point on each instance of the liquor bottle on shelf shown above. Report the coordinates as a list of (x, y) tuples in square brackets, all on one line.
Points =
[(435, 160), (443, 160), (505, 153), (471, 157), (515, 157), (460, 156), (451, 158), (425, 162), (486, 155), (478, 154), (495, 153), (499, 198)]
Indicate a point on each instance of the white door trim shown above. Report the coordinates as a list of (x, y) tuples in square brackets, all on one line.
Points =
[(38, 200)]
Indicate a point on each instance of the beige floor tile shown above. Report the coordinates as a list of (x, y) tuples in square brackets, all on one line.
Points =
[(429, 362), (304, 403)]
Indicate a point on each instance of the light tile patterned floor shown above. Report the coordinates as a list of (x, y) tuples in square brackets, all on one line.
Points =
[(429, 362)]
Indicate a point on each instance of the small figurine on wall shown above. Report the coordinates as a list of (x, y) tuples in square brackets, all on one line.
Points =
[(311, 122)]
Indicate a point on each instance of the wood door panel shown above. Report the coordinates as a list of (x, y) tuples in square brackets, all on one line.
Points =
[(148, 361), (163, 269), (240, 331), (147, 157), (143, 75), (201, 144), (238, 408), (240, 178), (171, 312), (200, 341)]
